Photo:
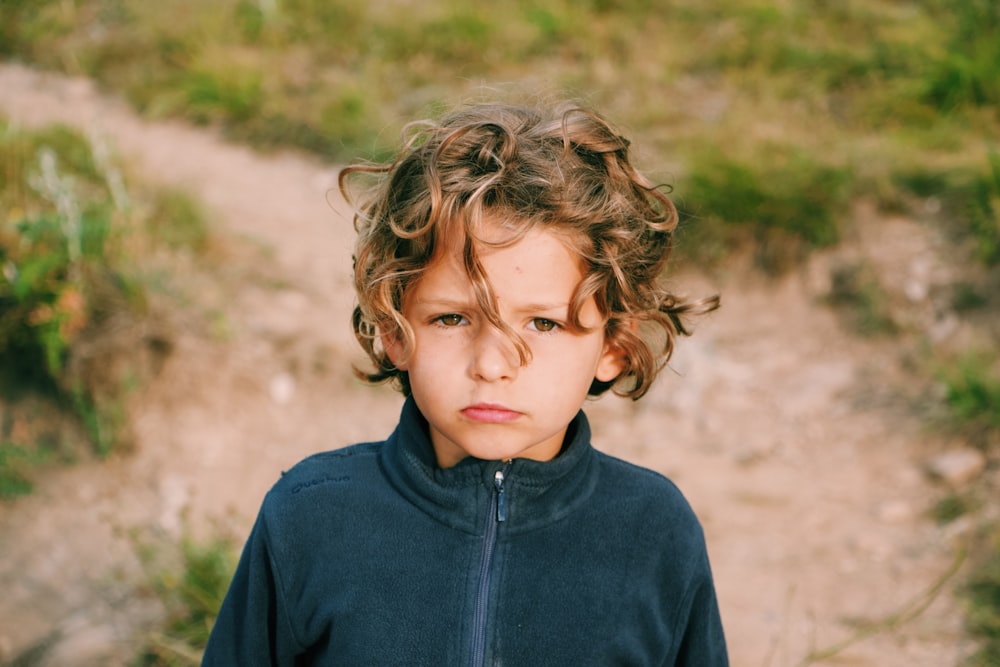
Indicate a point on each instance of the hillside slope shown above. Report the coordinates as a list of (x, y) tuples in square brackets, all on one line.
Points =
[(779, 425)]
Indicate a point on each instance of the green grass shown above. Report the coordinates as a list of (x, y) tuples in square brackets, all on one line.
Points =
[(969, 198), (191, 586), (842, 83), (856, 291), (177, 220), (281, 75), (16, 464), (953, 506), (786, 202), (981, 594), (967, 72), (984, 212), (56, 239), (972, 394), (75, 249)]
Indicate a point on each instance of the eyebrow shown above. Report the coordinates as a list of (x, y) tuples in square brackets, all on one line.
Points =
[(460, 304), (544, 307)]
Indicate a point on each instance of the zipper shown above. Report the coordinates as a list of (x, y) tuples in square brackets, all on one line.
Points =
[(497, 515)]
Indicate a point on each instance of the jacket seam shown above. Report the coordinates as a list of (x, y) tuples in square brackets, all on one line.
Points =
[(279, 589), (694, 585)]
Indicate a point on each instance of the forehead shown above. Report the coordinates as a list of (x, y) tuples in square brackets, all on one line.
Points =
[(492, 229), (518, 266)]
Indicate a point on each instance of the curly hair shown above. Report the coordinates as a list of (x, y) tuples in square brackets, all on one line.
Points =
[(566, 171)]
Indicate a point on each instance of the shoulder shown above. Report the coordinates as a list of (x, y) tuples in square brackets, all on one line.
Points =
[(640, 480), (331, 467), (646, 492), (651, 515), (325, 479)]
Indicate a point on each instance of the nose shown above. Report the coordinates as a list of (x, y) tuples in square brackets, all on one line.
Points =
[(494, 356)]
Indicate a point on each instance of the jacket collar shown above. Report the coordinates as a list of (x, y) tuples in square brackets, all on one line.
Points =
[(537, 492)]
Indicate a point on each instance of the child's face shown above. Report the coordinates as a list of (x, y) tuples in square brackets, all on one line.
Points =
[(466, 376)]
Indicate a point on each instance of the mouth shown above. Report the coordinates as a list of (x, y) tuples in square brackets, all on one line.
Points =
[(490, 413)]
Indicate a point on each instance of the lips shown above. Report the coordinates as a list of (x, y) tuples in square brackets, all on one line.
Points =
[(490, 413)]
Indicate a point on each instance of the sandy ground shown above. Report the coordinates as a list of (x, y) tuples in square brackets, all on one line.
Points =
[(778, 424)]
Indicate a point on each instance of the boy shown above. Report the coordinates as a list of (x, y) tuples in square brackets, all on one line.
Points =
[(507, 267)]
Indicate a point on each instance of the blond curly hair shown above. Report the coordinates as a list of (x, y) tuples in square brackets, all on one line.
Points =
[(564, 170)]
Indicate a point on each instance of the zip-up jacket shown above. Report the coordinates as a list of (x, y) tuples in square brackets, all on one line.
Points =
[(373, 555)]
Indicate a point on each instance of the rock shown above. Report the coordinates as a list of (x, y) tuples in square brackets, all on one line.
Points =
[(957, 467), (174, 497), (282, 388), (896, 511)]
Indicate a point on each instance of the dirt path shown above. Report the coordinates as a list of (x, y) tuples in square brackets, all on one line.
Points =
[(775, 426)]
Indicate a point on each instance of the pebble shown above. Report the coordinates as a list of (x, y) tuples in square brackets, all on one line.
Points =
[(958, 466), (282, 388), (896, 511), (174, 496)]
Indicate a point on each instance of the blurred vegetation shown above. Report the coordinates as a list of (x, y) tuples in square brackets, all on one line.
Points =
[(783, 204), (190, 583), (856, 290), (16, 462), (982, 597), (767, 118), (839, 96), (953, 506), (972, 393), (969, 197), (77, 323)]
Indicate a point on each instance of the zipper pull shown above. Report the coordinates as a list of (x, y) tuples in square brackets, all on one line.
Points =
[(501, 497)]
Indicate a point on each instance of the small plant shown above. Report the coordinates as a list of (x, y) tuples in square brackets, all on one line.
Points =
[(953, 506), (191, 591), (15, 464), (982, 597), (972, 394), (57, 247), (856, 291), (968, 72), (967, 297), (226, 92), (969, 201), (984, 213), (75, 312), (177, 221), (787, 203)]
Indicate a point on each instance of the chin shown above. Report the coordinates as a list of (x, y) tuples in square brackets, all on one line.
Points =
[(494, 453)]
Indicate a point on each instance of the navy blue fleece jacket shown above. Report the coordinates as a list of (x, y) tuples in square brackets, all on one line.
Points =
[(373, 555)]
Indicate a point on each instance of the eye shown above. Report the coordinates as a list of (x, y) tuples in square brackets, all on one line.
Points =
[(543, 325), (449, 320)]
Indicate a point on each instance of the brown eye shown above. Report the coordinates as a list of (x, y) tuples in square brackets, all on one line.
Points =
[(543, 325), (450, 320)]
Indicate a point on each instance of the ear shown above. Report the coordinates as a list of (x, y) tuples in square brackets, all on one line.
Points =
[(394, 349), (614, 359), (611, 363)]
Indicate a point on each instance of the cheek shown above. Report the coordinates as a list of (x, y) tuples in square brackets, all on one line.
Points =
[(435, 354), (571, 363)]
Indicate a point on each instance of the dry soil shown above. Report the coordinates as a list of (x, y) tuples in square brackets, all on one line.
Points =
[(776, 421)]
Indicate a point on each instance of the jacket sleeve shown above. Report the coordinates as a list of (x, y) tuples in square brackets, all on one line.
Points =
[(703, 643), (253, 626)]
